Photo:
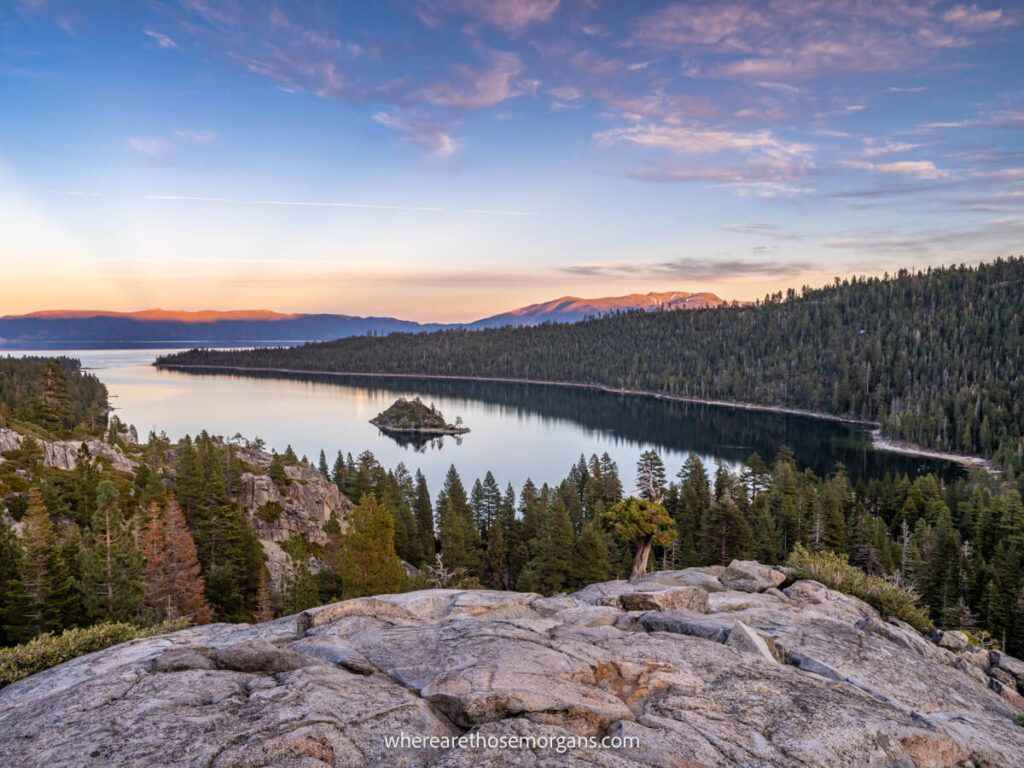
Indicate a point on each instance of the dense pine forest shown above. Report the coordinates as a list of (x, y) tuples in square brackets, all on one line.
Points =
[(53, 395), (935, 357)]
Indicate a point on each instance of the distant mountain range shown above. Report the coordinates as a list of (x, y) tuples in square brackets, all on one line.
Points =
[(570, 309), (215, 328)]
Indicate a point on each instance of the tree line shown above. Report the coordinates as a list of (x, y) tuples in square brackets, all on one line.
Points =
[(172, 540), (935, 357)]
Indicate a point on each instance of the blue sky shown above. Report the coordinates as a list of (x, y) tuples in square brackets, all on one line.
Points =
[(448, 159)]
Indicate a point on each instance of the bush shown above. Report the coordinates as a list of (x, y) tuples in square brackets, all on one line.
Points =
[(884, 595), (270, 512), (1020, 719), (49, 650), (981, 638)]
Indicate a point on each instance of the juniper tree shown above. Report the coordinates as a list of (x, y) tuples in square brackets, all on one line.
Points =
[(642, 523)]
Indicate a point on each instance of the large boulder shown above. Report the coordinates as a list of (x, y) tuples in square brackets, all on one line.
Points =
[(952, 640), (751, 576), (331, 686)]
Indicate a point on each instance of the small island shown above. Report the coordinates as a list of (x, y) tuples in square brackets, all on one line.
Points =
[(414, 417)]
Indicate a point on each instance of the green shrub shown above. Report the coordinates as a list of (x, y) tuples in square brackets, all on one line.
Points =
[(1020, 719), (884, 595), (300, 549), (270, 512), (981, 638), (49, 650)]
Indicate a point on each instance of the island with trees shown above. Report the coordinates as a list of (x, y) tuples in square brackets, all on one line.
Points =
[(416, 417)]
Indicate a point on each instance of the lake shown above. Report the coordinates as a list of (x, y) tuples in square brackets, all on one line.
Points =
[(518, 431)]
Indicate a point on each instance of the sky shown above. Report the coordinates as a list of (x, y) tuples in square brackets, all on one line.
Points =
[(444, 160)]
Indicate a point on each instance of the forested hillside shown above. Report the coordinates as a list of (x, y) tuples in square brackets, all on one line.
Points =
[(53, 394), (936, 357)]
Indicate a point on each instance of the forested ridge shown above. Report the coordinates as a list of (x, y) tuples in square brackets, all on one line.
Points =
[(936, 357)]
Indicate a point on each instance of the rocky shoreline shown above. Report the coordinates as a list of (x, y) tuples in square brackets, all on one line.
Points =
[(704, 667)]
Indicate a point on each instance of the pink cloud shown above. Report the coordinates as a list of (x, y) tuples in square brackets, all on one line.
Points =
[(918, 169), (420, 132), (508, 15), (477, 89)]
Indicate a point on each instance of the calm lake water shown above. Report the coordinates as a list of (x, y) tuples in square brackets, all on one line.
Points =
[(518, 431)]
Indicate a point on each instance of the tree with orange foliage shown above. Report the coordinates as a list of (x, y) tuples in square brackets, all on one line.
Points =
[(174, 582)]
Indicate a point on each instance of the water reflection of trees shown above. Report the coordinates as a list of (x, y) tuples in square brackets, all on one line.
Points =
[(728, 433)]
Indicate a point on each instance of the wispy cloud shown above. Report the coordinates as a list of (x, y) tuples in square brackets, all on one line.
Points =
[(339, 204), (757, 156), (421, 132), (993, 237), (149, 147), (162, 40), (694, 269), (874, 148), (762, 229), (194, 136), (475, 89), (801, 40), (176, 140), (919, 169), (296, 203), (973, 17), (509, 15)]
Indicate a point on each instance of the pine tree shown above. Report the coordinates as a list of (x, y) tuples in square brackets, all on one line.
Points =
[(941, 587), (112, 565), (321, 465), (10, 565), (369, 564), (52, 407), (424, 514), (41, 594), (460, 539), (726, 532), (694, 505), (650, 477), (299, 588), (174, 584), (494, 571), (264, 604), (338, 471), (591, 563), (277, 473), (610, 481), (553, 563)]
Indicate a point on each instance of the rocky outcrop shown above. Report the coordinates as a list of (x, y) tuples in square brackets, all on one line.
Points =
[(63, 454), (303, 507), (810, 677)]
